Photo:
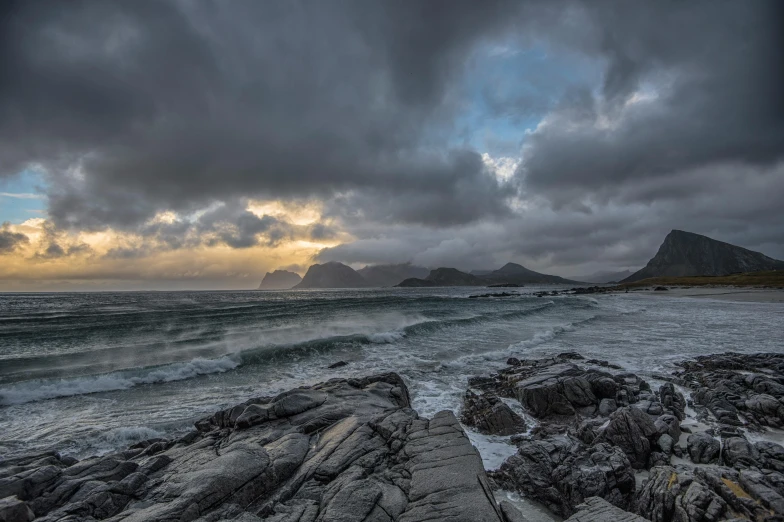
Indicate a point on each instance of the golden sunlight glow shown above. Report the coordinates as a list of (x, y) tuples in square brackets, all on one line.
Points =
[(127, 260), (304, 213)]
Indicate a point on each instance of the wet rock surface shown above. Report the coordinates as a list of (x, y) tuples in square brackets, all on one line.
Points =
[(561, 474), (597, 428), (490, 415), (597, 509), (344, 450), (607, 445), (737, 389)]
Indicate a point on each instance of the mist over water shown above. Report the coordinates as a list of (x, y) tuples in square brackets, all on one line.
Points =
[(90, 373)]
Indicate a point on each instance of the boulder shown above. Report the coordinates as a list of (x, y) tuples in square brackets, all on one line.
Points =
[(771, 455), (702, 448), (672, 400), (607, 406), (561, 474), (14, 510), (669, 424), (490, 415), (739, 453), (632, 431)]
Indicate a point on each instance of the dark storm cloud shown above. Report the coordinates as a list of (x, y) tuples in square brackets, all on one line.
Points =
[(135, 107), (9, 240), (142, 106), (460, 190), (713, 75)]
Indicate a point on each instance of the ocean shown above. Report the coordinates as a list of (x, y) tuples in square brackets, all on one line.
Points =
[(88, 373)]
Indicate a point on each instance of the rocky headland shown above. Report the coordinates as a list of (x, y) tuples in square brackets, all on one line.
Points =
[(593, 443), (684, 254), (332, 275), (280, 280)]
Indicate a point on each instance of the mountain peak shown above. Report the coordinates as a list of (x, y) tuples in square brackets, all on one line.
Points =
[(390, 275), (518, 274), (332, 275), (279, 280), (688, 254)]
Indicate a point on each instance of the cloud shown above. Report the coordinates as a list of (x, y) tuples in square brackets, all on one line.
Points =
[(567, 135), (143, 107), (9, 239), (686, 86), (21, 195)]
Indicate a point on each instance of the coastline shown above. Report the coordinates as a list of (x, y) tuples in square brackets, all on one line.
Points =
[(722, 293), (596, 442)]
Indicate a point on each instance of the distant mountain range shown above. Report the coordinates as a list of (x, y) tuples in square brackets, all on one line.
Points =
[(444, 277), (279, 280), (390, 275), (688, 254), (510, 273), (338, 275), (681, 254)]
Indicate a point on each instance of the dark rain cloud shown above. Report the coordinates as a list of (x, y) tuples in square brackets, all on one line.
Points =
[(713, 77), (138, 107), (135, 107)]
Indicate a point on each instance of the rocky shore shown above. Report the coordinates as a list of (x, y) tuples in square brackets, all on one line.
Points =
[(594, 443)]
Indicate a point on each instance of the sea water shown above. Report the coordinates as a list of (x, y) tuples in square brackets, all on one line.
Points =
[(88, 373)]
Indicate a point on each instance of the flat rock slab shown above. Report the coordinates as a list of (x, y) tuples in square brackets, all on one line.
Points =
[(347, 450), (597, 509)]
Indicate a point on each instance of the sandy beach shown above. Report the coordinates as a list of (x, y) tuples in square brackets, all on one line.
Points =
[(751, 295)]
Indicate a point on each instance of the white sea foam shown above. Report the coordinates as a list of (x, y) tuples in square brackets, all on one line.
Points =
[(544, 336), (386, 337), (31, 391), (125, 436)]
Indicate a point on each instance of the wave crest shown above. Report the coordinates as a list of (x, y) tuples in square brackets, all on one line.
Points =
[(38, 390)]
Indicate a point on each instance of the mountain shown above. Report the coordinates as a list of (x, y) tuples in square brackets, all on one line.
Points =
[(688, 254), (444, 277), (514, 273), (390, 275), (332, 275), (453, 277), (279, 280), (604, 277), (480, 272)]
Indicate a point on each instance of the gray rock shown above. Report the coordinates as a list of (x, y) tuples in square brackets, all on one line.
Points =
[(756, 484), (596, 509), (740, 453), (771, 455), (562, 474), (511, 513), (702, 448), (634, 432), (666, 444), (607, 406), (738, 388), (706, 494), (543, 394), (14, 510), (489, 415), (672, 400), (669, 424), (343, 450)]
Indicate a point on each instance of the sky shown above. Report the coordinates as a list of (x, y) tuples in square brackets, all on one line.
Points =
[(199, 144)]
